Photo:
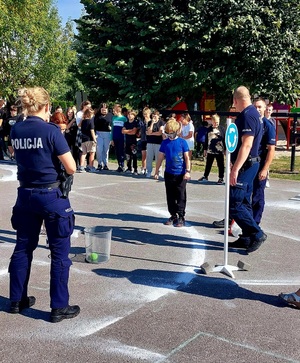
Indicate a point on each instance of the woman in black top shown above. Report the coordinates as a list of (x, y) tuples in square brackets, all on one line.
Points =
[(102, 122)]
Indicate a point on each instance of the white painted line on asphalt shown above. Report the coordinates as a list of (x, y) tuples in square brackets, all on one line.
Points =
[(89, 327), (4, 272), (198, 255), (269, 282), (230, 342), (283, 235), (284, 205), (131, 351)]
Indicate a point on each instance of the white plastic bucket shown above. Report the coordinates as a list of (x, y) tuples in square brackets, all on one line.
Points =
[(97, 244)]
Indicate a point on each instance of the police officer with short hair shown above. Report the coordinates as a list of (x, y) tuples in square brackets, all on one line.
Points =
[(245, 160), (40, 149), (266, 153)]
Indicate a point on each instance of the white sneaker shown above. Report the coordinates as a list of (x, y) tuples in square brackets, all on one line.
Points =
[(81, 169), (90, 169)]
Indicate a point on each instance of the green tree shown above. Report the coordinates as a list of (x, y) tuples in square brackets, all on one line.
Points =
[(35, 49), (152, 51), (255, 43)]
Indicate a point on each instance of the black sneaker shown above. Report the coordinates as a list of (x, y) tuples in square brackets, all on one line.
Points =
[(99, 168), (120, 169), (105, 167), (204, 179), (180, 222), (220, 181), (257, 243), (172, 220), (17, 306), (239, 243), (221, 224), (69, 312)]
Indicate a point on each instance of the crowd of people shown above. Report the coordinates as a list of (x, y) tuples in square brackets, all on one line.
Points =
[(93, 133)]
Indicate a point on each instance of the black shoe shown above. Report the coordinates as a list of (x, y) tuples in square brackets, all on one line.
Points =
[(257, 243), (105, 167), (180, 222), (171, 220), (69, 312), (17, 306), (221, 224), (239, 243)]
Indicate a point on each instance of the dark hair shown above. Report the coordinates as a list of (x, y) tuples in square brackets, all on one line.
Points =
[(70, 109)]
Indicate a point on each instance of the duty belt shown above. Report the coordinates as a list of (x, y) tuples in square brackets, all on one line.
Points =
[(39, 186)]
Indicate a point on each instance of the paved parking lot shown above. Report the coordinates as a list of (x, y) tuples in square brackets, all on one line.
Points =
[(149, 303)]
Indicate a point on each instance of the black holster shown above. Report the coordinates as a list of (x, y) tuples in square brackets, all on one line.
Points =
[(66, 183)]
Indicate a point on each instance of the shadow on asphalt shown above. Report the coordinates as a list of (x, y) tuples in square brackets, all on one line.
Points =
[(212, 287), (30, 313), (141, 236), (7, 239), (130, 217)]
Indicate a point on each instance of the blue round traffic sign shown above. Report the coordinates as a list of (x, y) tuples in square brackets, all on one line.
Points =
[(231, 138)]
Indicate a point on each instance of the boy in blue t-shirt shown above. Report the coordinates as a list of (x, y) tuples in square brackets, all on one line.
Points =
[(176, 152)]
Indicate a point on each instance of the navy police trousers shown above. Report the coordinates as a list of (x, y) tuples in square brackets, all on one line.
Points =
[(240, 205), (258, 197), (33, 206)]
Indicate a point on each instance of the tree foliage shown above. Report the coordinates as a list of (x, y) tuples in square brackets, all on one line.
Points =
[(35, 49), (149, 51)]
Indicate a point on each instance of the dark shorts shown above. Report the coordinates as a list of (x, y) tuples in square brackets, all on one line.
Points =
[(142, 145)]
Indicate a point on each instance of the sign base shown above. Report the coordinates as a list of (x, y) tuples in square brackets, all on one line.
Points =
[(226, 269)]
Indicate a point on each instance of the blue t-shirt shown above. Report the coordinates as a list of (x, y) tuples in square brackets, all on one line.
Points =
[(248, 122), (37, 145), (268, 138), (174, 153), (201, 133), (117, 125)]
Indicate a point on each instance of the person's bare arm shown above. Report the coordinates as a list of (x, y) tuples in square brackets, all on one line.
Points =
[(270, 155), (159, 161), (68, 162), (93, 135), (187, 174), (243, 153)]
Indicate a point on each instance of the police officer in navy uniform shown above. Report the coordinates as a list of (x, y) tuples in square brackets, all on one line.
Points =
[(266, 153), (245, 160), (40, 150)]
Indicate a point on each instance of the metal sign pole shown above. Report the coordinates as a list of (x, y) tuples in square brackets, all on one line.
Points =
[(230, 147)]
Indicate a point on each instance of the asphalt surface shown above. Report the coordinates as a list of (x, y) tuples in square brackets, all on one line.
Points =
[(150, 302)]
